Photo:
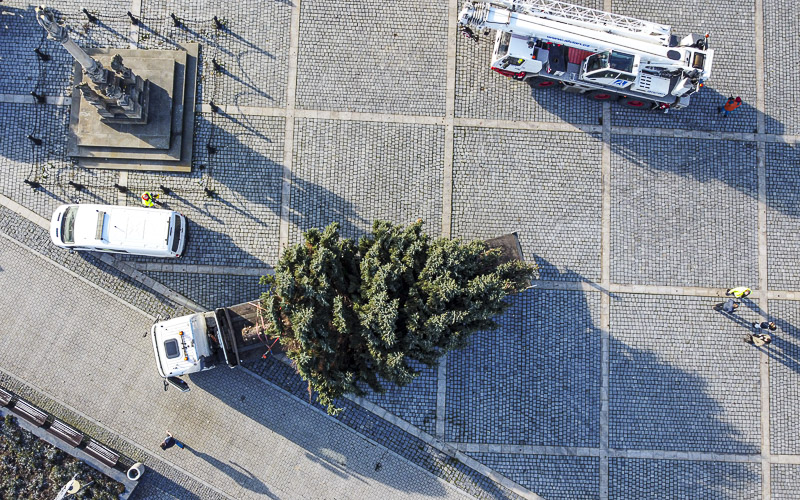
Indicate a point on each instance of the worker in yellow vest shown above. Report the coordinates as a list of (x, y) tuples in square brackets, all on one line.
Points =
[(738, 292), (148, 199)]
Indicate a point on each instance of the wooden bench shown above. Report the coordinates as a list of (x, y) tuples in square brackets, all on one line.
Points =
[(65, 433), (5, 397), (101, 453), (29, 412)]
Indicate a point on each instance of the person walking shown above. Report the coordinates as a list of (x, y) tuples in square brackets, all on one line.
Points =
[(758, 339), (738, 292), (730, 306), (170, 441), (729, 106), (765, 326)]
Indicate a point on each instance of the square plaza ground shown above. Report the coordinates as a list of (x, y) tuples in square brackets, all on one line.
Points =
[(613, 377)]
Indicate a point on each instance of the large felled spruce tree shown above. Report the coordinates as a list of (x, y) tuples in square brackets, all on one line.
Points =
[(351, 314)]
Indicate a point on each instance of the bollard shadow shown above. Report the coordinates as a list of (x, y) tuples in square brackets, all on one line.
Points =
[(255, 143)]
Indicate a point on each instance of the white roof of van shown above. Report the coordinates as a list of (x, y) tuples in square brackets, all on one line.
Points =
[(134, 227)]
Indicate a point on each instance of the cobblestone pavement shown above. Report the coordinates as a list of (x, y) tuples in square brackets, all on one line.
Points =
[(613, 377), (243, 437)]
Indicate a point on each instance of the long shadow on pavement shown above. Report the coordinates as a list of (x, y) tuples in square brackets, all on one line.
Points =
[(536, 381)]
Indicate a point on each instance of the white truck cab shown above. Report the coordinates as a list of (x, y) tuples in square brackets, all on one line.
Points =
[(181, 345), (119, 229)]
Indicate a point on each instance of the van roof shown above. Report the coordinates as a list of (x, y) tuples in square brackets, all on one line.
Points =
[(115, 226)]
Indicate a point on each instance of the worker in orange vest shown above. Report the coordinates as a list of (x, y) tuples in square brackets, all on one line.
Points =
[(730, 105)]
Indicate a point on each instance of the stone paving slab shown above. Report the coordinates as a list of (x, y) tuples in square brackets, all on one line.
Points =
[(507, 180), (253, 47), (783, 210), (782, 81), (659, 479), (233, 416), (785, 481), (240, 224), (396, 65), (680, 376), (356, 172), (784, 377), (535, 380), (482, 93), (548, 476), (683, 212), (732, 37)]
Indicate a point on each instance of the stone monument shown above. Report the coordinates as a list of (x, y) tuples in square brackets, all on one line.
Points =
[(131, 109)]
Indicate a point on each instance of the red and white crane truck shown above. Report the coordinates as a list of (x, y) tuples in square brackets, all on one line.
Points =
[(606, 56)]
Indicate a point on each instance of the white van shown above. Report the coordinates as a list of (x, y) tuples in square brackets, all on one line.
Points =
[(117, 229)]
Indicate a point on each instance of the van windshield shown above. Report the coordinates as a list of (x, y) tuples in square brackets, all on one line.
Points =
[(68, 225)]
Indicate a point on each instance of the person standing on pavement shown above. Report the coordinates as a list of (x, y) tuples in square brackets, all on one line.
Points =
[(738, 292), (730, 105), (170, 441)]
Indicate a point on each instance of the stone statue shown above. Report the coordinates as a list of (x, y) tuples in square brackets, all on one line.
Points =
[(118, 94)]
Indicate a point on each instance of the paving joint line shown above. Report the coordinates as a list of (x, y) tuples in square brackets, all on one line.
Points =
[(133, 30), (506, 124), (288, 135), (201, 269), (605, 300), (581, 451), (763, 270), (447, 189)]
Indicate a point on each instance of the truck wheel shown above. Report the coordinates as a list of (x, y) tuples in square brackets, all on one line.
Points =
[(602, 95), (541, 83), (636, 103)]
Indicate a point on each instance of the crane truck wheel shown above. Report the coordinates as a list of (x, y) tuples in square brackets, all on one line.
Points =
[(541, 83), (602, 95), (636, 103)]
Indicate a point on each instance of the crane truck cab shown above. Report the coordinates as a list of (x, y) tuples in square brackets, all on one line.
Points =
[(549, 43)]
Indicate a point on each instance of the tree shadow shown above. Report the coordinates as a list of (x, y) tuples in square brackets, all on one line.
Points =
[(536, 381)]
